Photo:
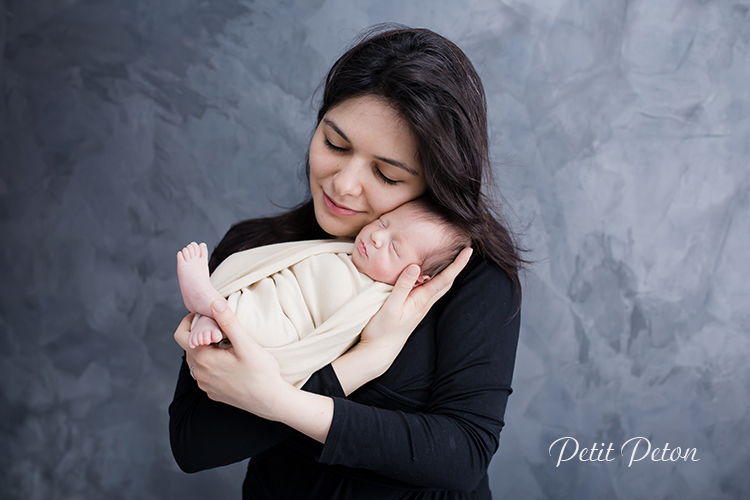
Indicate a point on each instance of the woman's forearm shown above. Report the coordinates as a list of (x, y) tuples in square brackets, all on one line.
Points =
[(308, 413), (206, 434), (312, 414), (198, 443), (361, 364)]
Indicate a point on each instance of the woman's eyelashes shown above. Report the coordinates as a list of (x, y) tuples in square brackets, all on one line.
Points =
[(385, 179), (333, 148), (378, 173)]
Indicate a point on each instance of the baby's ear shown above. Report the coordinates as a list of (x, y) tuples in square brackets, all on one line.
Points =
[(422, 280)]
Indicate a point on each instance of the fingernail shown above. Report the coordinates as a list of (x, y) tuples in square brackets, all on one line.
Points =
[(218, 305), (412, 271)]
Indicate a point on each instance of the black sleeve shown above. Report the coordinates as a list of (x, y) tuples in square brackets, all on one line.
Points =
[(450, 444), (206, 434)]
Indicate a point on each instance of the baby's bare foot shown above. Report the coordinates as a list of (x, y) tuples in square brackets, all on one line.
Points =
[(195, 285), (205, 332)]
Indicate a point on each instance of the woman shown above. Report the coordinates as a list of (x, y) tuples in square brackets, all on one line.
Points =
[(403, 114)]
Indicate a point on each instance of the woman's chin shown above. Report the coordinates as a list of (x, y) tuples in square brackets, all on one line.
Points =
[(338, 226)]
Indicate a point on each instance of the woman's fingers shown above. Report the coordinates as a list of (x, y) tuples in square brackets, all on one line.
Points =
[(182, 333), (230, 325), (429, 293), (403, 287), (245, 347)]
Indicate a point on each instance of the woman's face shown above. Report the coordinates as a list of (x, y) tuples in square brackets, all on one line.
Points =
[(363, 163)]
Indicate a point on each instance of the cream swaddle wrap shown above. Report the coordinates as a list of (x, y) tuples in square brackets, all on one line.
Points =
[(304, 301)]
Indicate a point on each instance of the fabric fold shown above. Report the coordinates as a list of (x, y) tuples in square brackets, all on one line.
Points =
[(304, 301)]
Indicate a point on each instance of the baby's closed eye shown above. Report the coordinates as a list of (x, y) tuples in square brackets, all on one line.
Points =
[(393, 247)]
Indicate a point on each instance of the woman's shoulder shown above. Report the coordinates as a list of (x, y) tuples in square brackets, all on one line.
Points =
[(482, 275), (482, 290)]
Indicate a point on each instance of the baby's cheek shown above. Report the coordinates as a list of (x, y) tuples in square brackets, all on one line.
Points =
[(380, 271), (392, 273), (360, 264), (366, 267)]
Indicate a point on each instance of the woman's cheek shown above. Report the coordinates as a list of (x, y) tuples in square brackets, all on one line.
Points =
[(387, 201)]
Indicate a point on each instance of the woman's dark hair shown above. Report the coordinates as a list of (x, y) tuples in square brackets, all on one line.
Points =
[(438, 93)]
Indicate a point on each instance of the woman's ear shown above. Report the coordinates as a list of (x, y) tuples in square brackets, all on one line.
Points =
[(422, 280)]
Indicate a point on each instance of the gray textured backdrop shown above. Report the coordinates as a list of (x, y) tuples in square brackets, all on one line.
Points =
[(621, 132)]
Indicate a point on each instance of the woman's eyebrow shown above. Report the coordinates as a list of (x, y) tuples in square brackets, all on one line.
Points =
[(403, 166), (336, 129), (400, 165)]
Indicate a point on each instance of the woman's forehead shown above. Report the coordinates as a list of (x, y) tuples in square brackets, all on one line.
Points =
[(371, 123)]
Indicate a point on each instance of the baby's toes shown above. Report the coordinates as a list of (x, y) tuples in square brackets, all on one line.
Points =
[(208, 337), (197, 339), (216, 336), (200, 339), (195, 250)]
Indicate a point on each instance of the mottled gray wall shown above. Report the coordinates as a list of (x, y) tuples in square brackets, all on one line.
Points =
[(622, 135)]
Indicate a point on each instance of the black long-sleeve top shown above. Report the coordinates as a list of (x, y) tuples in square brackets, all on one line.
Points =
[(426, 429)]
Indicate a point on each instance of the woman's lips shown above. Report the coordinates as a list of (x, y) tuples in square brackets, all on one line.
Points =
[(337, 209)]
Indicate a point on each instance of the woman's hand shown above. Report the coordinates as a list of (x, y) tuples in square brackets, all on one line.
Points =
[(245, 375), (387, 332)]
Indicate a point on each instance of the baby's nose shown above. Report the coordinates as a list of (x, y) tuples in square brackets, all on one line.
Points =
[(377, 238)]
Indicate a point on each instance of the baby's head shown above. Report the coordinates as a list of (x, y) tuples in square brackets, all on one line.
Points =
[(414, 233)]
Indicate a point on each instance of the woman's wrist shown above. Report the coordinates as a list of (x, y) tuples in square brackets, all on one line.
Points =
[(309, 413), (362, 363)]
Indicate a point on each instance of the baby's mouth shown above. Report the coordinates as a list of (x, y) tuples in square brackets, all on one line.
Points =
[(362, 248)]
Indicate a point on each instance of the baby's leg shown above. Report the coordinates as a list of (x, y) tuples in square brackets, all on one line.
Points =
[(195, 285), (205, 331)]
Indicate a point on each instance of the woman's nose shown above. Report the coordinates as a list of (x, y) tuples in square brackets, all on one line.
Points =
[(348, 179)]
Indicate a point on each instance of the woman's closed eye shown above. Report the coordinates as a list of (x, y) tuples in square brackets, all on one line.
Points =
[(378, 173), (385, 179), (332, 147)]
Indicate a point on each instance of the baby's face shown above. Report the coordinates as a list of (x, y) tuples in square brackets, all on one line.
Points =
[(386, 246)]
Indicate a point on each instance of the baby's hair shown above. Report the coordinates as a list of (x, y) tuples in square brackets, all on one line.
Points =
[(455, 238)]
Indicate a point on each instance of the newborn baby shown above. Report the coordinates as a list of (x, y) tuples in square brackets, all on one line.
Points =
[(317, 294)]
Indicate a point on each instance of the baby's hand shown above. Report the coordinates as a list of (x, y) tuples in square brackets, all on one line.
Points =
[(205, 332)]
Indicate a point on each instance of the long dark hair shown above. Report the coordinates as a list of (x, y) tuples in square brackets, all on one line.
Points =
[(438, 93)]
